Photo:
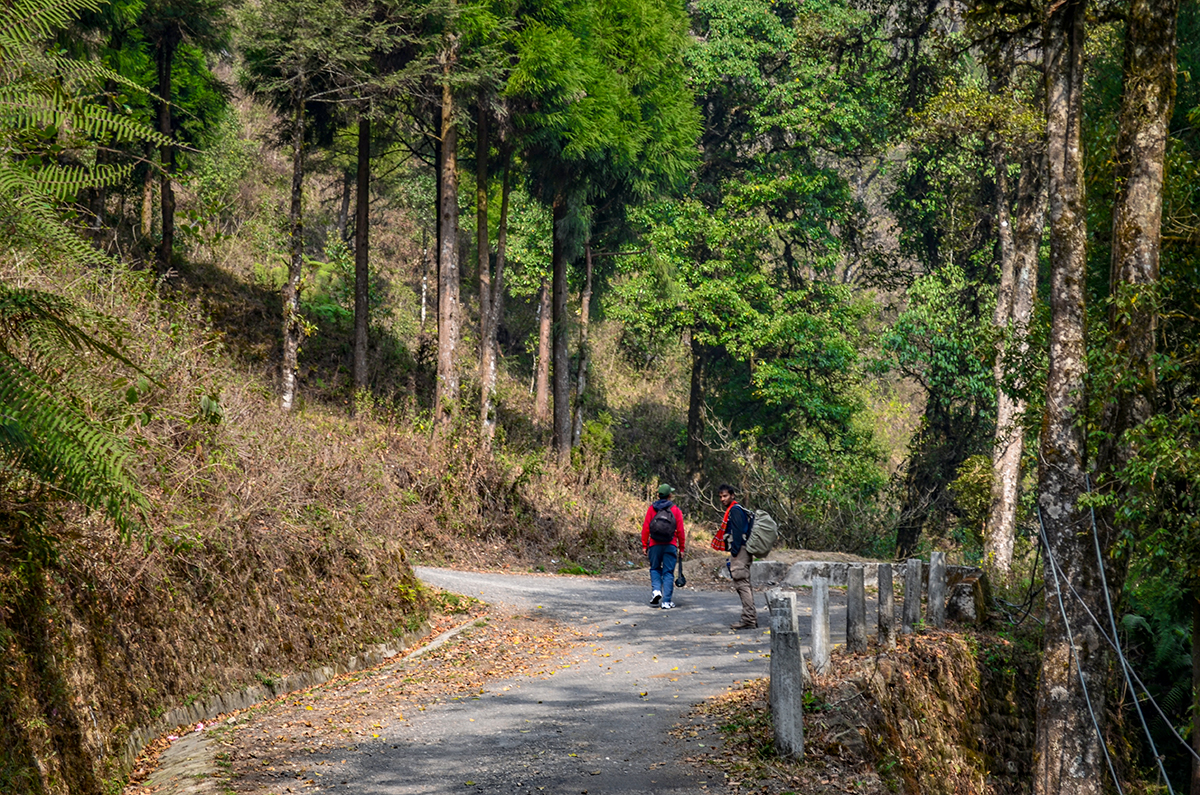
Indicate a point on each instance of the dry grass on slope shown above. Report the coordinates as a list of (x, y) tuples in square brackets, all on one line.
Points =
[(274, 542), (944, 713)]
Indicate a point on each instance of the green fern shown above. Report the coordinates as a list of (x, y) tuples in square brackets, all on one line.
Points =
[(48, 109), (46, 439), (24, 22), (50, 123)]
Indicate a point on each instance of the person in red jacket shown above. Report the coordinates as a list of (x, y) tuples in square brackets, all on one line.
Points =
[(662, 541)]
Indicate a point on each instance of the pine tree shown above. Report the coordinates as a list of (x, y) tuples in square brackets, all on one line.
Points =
[(297, 54), (167, 24), (604, 110)]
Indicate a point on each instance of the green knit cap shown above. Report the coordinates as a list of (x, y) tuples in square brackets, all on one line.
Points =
[(665, 490)]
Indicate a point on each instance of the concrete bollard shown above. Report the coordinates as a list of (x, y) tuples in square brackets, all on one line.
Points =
[(787, 688), (785, 618), (820, 624), (912, 596), (887, 608), (935, 608), (856, 610), (782, 610), (782, 605)]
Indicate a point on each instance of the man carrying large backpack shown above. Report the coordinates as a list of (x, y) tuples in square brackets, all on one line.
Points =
[(662, 541), (736, 529)]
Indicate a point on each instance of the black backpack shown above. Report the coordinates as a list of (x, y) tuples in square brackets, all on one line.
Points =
[(662, 526)]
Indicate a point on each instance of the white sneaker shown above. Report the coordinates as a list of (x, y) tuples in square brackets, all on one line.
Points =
[(668, 605), (656, 599)]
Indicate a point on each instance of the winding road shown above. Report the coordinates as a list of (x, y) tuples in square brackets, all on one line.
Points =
[(599, 727), (600, 724)]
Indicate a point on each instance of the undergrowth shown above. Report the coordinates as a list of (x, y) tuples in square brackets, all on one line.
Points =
[(946, 712), (273, 541)]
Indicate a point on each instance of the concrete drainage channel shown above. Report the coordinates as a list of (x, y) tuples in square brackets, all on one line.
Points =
[(187, 766)]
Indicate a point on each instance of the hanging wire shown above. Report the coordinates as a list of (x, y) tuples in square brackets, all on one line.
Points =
[(1137, 679), (1026, 604), (1116, 642), (1054, 570)]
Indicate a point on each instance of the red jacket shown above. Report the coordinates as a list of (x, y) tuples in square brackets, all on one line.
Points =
[(647, 541)]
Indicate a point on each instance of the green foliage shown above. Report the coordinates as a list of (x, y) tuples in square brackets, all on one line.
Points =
[(295, 52), (604, 106), (943, 340), (529, 240), (700, 273), (808, 347), (1156, 631), (50, 125), (595, 447), (972, 491), (51, 445), (579, 570), (967, 109)]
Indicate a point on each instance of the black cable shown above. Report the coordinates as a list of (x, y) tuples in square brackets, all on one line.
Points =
[(1027, 603), (1136, 678), (1116, 642), (1054, 570)]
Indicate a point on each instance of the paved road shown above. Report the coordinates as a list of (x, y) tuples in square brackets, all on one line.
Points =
[(599, 727)]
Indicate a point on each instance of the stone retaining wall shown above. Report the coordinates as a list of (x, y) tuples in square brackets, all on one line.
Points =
[(203, 710)]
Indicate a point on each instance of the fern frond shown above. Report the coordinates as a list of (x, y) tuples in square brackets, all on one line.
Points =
[(23, 109), (34, 221), (23, 22), (1176, 699), (38, 318), (65, 182), (75, 73), (44, 435), (1132, 621), (47, 96)]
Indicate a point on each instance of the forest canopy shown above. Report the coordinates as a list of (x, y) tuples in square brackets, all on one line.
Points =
[(913, 276)]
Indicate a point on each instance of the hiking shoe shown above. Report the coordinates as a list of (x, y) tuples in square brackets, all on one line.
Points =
[(668, 605), (743, 625), (656, 599)]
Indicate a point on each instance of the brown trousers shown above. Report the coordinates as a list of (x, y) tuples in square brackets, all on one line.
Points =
[(739, 570)]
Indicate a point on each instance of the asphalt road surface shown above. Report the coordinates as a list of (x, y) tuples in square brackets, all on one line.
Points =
[(595, 728)]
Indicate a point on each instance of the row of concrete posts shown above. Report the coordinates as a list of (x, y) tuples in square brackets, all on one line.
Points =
[(789, 671)]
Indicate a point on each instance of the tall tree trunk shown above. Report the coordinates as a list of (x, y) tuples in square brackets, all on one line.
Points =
[(562, 359), (343, 215), (692, 451), (97, 196), (541, 391), (424, 277), (362, 276), (292, 327), (491, 347), (1070, 756), (148, 194), (1020, 239), (1146, 105), (1008, 440), (483, 253), (437, 215), (166, 57), (449, 309), (585, 305)]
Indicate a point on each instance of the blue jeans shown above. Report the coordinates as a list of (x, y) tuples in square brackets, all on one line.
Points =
[(662, 569)]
